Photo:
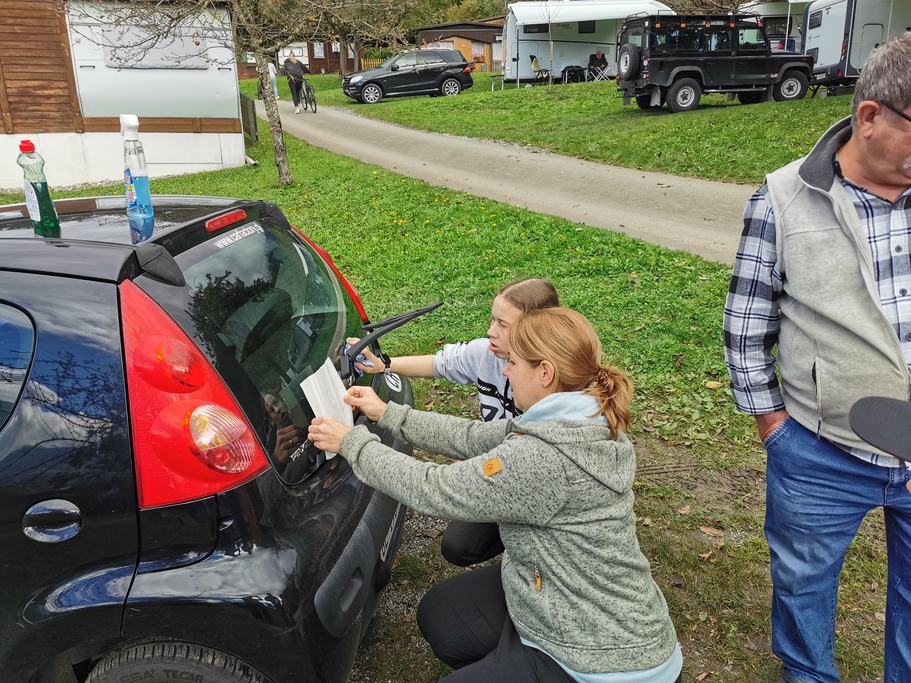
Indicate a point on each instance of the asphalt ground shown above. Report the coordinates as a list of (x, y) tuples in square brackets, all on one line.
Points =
[(699, 216)]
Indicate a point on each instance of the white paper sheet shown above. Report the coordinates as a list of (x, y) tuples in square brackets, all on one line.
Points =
[(325, 393)]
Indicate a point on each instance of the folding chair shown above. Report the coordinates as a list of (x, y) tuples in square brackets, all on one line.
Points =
[(598, 74), (541, 75)]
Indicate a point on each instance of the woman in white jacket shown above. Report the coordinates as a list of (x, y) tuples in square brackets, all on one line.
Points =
[(573, 599)]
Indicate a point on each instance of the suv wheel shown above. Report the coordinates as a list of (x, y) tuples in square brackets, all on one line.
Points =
[(628, 62), (683, 95), (451, 87), (371, 93), (164, 662), (792, 87)]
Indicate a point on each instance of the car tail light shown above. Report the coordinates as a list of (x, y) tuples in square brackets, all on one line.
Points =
[(190, 437), (352, 291), (467, 69), (227, 219)]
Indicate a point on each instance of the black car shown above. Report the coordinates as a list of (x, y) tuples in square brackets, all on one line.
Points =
[(162, 515), (677, 58), (416, 72)]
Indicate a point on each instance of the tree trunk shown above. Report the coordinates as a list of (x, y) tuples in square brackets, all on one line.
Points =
[(273, 117)]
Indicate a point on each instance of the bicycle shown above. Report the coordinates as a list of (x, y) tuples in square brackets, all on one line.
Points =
[(308, 98)]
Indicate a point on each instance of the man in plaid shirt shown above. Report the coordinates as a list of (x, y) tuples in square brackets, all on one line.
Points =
[(823, 272)]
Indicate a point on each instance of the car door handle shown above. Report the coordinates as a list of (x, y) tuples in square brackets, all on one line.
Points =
[(52, 521)]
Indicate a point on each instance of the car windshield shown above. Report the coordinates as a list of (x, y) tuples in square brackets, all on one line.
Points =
[(388, 62), (268, 312)]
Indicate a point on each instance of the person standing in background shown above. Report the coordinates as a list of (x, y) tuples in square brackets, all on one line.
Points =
[(273, 76), (823, 273), (295, 70)]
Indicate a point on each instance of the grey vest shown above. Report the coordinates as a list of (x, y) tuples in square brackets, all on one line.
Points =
[(835, 345)]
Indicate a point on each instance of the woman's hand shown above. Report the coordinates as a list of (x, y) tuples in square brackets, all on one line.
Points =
[(378, 364), (287, 441), (366, 399), (327, 433)]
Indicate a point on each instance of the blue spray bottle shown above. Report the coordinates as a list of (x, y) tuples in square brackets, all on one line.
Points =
[(136, 181)]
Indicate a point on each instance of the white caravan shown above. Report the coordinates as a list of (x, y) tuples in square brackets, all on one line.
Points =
[(840, 34), (577, 29), (783, 21)]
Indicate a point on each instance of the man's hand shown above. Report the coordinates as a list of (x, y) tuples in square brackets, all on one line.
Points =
[(287, 441), (327, 433), (366, 399), (378, 364), (768, 423)]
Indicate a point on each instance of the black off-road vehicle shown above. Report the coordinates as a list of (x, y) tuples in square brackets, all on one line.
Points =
[(676, 58)]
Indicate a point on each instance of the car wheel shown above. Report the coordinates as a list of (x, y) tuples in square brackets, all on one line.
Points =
[(165, 662), (683, 95), (645, 102), (628, 61), (371, 93), (749, 97), (792, 87), (450, 87)]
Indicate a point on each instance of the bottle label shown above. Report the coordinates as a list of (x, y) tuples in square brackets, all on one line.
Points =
[(31, 202), (129, 188)]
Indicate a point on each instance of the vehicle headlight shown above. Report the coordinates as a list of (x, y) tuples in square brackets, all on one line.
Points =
[(356, 79)]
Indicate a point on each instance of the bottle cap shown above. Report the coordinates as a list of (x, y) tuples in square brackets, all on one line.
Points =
[(26, 146), (129, 126)]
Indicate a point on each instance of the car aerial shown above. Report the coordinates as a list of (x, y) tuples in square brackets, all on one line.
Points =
[(415, 72), (162, 513), (676, 58)]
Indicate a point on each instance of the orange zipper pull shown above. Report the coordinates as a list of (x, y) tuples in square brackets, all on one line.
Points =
[(537, 579)]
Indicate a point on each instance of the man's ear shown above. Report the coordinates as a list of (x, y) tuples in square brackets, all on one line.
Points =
[(867, 112), (546, 368)]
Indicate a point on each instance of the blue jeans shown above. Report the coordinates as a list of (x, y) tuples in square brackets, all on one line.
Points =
[(816, 497)]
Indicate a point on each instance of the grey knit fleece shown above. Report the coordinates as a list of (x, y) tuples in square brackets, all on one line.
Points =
[(564, 502)]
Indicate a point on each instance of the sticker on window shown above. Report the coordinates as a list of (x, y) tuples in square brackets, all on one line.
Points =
[(238, 234)]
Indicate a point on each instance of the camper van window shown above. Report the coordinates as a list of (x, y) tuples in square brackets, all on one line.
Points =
[(587, 26), (815, 20), (534, 28), (752, 39)]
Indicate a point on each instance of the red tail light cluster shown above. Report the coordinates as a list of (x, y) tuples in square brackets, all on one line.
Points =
[(352, 292), (190, 437)]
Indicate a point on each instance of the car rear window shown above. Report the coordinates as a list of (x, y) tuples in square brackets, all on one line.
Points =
[(17, 340), (268, 311), (452, 56)]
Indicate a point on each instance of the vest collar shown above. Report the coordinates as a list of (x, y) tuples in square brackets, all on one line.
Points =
[(818, 170)]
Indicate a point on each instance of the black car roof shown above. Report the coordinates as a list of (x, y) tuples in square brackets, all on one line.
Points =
[(94, 240)]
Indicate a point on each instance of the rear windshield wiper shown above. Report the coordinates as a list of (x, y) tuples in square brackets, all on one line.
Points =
[(377, 330)]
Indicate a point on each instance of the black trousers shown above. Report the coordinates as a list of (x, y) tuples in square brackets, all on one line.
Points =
[(467, 543), (464, 619), (295, 91)]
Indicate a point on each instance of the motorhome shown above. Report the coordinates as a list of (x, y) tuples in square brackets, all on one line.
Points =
[(783, 21), (839, 34), (576, 30)]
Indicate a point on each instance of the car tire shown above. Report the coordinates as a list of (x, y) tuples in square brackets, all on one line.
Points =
[(628, 62), (792, 86), (450, 87), (683, 95), (645, 102), (165, 662), (371, 93), (749, 97)]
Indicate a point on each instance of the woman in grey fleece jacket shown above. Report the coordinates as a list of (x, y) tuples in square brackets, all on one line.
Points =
[(575, 600)]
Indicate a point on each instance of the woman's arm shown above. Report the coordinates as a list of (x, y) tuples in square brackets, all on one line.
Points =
[(518, 482)]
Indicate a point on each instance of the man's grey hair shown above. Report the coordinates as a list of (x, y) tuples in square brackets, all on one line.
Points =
[(886, 76)]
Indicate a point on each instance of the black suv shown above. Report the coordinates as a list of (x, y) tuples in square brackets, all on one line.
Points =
[(676, 58), (162, 514), (416, 72)]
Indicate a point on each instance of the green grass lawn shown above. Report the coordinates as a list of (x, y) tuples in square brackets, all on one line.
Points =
[(405, 243), (719, 141)]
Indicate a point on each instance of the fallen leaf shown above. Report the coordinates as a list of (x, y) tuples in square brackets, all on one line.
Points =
[(713, 385), (685, 510), (410, 618), (702, 676), (647, 428), (647, 521), (711, 531), (432, 533), (707, 555), (440, 341)]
